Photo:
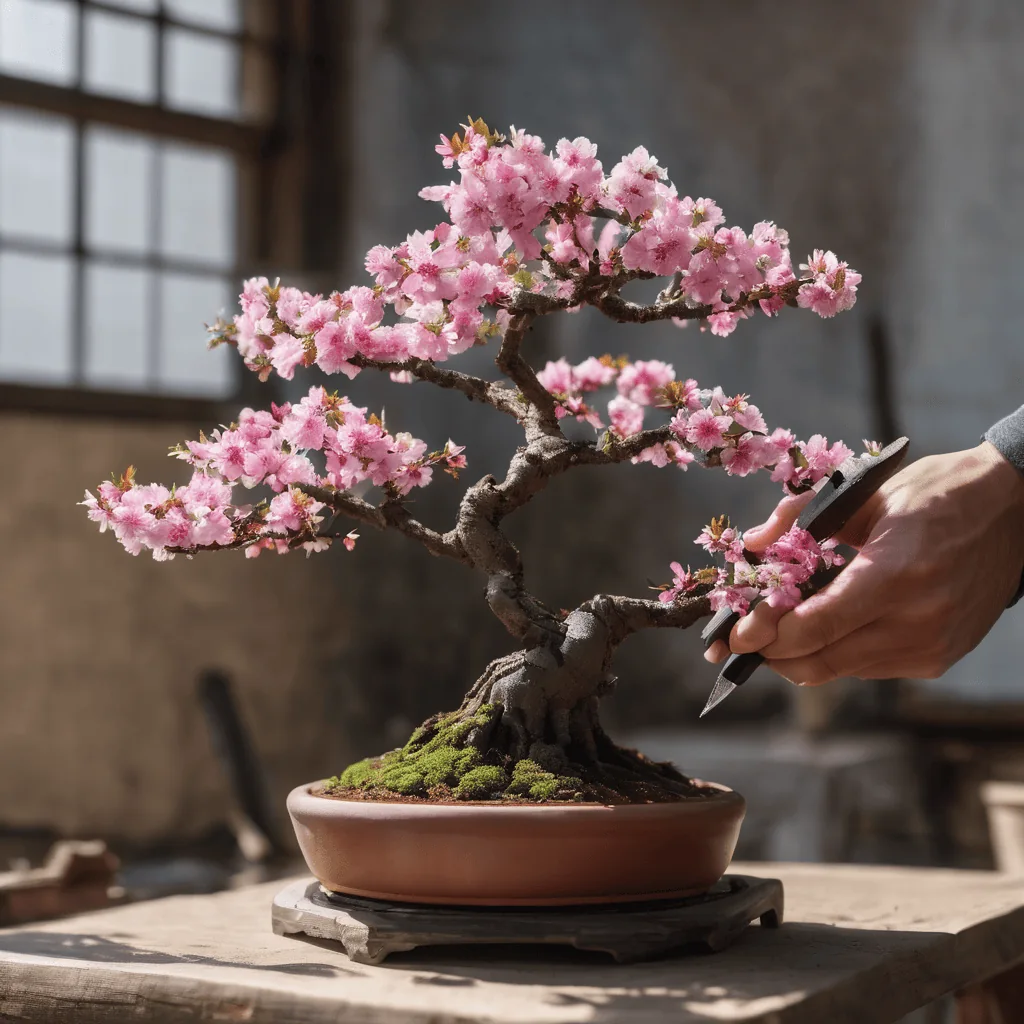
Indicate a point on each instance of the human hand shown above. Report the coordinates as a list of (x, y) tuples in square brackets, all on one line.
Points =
[(941, 551)]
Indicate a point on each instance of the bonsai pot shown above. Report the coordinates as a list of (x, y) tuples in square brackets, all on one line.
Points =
[(541, 854)]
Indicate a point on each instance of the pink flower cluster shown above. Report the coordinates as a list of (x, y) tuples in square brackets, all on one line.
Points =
[(511, 194), (833, 286), (775, 574), (156, 518), (522, 226), (271, 449), (778, 575), (708, 421)]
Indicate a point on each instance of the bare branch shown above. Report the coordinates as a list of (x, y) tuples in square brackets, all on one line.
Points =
[(390, 513), (541, 419), (477, 389), (633, 313), (627, 615), (523, 302)]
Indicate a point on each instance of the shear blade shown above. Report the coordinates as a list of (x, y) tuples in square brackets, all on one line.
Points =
[(722, 688)]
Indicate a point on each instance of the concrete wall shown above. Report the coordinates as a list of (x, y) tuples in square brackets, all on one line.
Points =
[(100, 729)]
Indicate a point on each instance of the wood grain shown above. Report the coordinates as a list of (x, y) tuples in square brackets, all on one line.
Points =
[(861, 945)]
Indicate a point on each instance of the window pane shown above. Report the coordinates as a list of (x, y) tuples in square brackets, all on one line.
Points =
[(118, 327), (222, 14), (202, 73), (35, 318), (36, 168), (197, 217), (120, 56), (38, 39), (186, 366), (118, 178)]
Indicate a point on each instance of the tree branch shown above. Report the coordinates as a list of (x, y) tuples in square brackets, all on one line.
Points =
[(627, 615), (541, 418), (390, 513), (624, 311), (477, 389)]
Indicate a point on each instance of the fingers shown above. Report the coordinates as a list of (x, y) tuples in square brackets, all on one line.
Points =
[(757, 538), (875, 651), (858, 596), (756, 630), (717, 652)]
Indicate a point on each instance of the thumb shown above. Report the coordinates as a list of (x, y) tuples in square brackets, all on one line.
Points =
[(757, 538)]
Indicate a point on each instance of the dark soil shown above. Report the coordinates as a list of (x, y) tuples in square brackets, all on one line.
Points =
[(445, 795)]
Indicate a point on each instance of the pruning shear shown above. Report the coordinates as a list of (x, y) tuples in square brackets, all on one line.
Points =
[(844, 493)]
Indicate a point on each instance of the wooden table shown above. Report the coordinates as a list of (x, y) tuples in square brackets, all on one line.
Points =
[(860, 945)]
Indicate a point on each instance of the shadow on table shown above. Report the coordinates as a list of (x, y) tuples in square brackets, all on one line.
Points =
[(835, 974), (104, 950)]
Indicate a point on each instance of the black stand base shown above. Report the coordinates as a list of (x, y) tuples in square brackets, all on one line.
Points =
[(370, 930)]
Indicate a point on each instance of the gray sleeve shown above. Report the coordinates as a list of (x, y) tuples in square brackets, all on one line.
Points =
[(1008, 437)]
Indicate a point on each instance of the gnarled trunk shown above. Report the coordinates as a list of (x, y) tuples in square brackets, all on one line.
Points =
[(548, 694)]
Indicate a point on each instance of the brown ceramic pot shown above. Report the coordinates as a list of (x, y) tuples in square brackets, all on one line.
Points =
[(517, 854)]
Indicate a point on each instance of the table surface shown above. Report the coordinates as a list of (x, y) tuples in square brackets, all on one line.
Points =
[(860, 945)]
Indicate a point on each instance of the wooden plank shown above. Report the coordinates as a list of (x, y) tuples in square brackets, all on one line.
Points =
[(862, 945)]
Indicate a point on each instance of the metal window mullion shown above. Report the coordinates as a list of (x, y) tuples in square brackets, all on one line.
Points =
[(160, 63), (79, 299), (115, 258), (155, 337), (146, 118), (238, 36)]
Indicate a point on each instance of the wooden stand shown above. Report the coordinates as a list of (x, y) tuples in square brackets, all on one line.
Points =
[(370, 930)]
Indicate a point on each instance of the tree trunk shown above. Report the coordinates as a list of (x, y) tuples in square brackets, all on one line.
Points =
[(548, 694)]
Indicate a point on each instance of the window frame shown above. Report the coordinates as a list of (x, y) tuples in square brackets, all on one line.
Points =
[(251, 143)]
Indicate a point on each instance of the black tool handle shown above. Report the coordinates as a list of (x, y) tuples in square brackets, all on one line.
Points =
[(738, 668), (846, 491)]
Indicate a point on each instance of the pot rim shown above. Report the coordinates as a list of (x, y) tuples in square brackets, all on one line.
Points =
[(302, 799)]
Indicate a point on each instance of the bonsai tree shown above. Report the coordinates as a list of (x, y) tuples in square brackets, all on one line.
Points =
[(528, 234)]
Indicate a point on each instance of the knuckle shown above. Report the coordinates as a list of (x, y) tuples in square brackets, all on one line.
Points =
[(824, 630)]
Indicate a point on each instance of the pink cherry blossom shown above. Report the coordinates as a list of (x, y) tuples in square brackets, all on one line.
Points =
[(682, 583), (641, 381), (668, 453), (705, 430), (821, 459), (833, 288), (728, 541), (626, 417), (593, 373), (745, 455)]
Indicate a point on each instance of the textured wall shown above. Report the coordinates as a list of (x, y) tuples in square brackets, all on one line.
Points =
[(958, 313), (100, 730)]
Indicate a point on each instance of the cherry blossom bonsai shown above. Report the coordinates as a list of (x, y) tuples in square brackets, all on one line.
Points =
[(528, 234)]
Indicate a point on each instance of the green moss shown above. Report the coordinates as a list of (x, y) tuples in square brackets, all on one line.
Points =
[(436, 763), (530, 779), (486, 782)]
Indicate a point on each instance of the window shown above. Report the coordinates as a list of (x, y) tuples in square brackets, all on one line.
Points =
[(123, 139)]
